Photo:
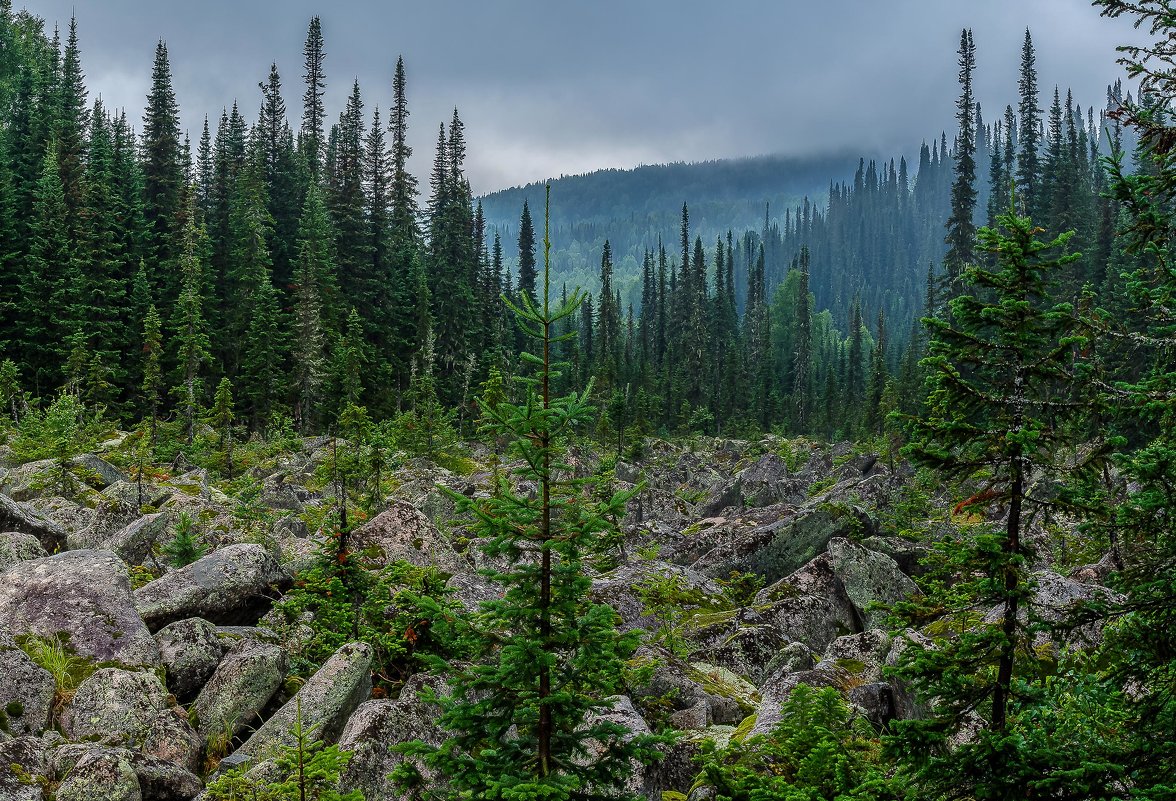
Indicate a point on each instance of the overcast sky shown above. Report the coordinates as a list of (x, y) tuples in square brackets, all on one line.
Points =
[(562, 87)]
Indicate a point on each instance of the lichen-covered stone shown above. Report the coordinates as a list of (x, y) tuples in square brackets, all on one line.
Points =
[(868, 578), (162, 779), (375, 726), (243, 683), (24, 769), (170, 737), (16, 546), (190, 651), (809, 606), (101, 774), (236, 585), (26, 691), (83, 597), (135, 541), (115, 706), (17, 517), (325, 703), (403, 532)]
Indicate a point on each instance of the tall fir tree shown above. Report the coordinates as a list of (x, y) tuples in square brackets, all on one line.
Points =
[(961, 234), (162, 177), (1000, 368), (1028, 132), (524, 716), (310, 137)]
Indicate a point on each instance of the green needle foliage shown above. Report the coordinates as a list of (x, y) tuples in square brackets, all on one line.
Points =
[(307, 770), (184, 548), (817, 751), (999, 417), (524, 712)]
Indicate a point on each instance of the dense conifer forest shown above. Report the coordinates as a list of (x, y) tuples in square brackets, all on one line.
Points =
[(853, 479), (308, 267)]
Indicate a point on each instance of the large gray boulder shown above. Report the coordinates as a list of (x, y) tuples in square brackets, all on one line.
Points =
[(16, 546), (868, 578), (765, 482), (621, 589), (127, 492), (777, 549), (810, 606), (171, 738), (697, 694), (28, 480), (101, 774), (115, 706), (108, 518), (244, 681), (325, 703), (163, 780), (135, 541), (96, 471), (404, 532), (26, 691), (16, 517), (378, 724), (778, 689), (82, 597), (190, 651), (235, 585)]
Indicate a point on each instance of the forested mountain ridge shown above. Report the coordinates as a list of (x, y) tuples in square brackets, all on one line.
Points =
[(632, 207)]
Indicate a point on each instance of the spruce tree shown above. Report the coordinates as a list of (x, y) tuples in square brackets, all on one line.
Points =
[(72, 126), (190, 328), (802, 355), (163, 175), (1142, 638), (1028, 132), (961, 227), (221, 418), (528, 273), (310, 138), (313, 266), (152, 387), (523, 715), (45, 297), (1000, 372), (404, 236)]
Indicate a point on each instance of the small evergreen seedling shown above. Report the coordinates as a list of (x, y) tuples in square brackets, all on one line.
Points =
[(185, 548)]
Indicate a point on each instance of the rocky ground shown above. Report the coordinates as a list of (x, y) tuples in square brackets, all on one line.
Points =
[(163, 669)]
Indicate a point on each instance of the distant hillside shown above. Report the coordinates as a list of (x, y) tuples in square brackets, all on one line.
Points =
[(632, 208)]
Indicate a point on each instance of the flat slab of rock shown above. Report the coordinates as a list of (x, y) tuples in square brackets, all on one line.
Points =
[(82, 597), (325, 702), (17, 517), (235, 585)]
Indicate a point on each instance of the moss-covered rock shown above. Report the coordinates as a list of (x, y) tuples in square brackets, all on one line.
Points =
[(115, 706)]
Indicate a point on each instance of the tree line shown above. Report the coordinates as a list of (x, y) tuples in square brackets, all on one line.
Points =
[(303, 266)]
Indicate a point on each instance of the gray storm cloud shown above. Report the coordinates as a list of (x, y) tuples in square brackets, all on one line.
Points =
[(551, 88)]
